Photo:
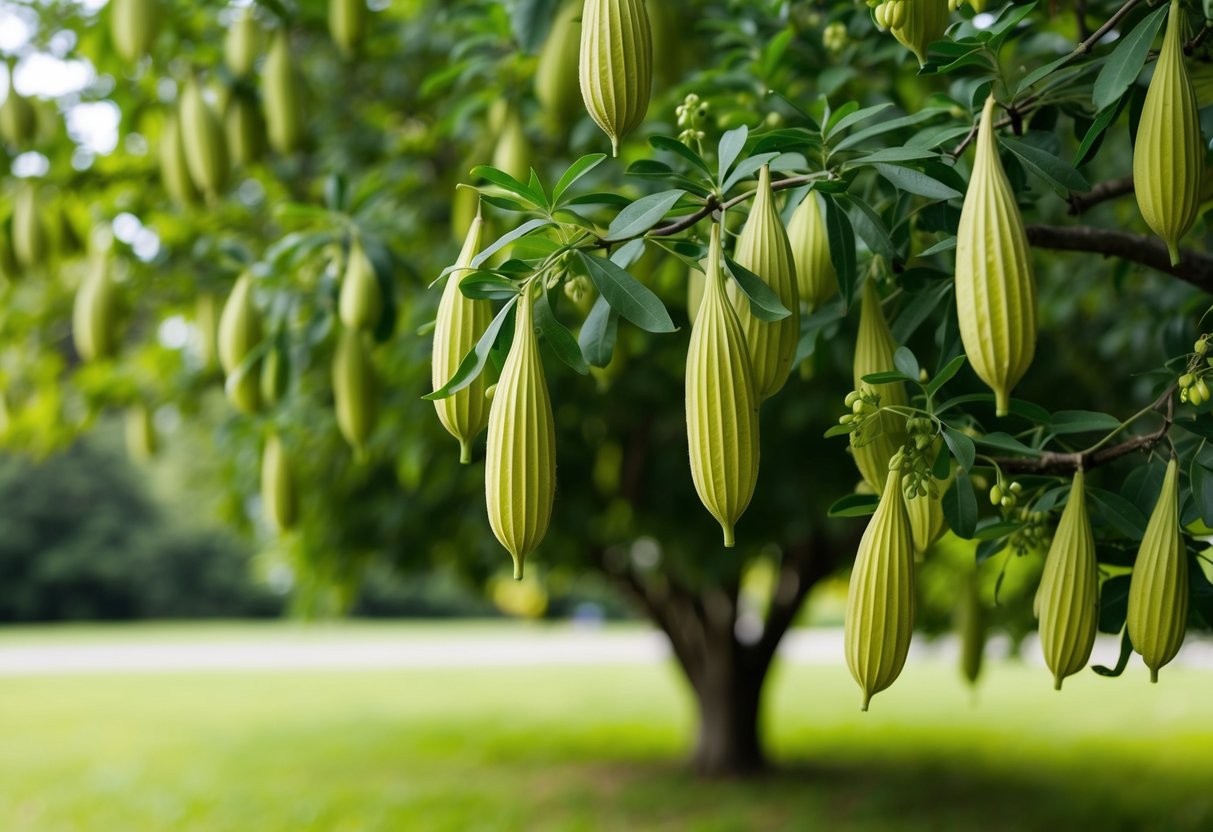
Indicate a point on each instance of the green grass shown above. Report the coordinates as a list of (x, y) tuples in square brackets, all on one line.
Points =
[(601, 748)]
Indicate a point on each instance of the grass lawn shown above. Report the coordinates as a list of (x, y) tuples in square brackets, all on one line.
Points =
[(574, 748)]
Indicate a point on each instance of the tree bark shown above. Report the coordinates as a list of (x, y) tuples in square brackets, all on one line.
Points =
[(729, 694)]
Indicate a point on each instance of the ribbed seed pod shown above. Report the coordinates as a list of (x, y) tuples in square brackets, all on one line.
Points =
[(355, 389), (140, 432), (696, 285), (1158, 590), (513, 151), (206, 324), (31, 243), (556, 84), (275, 374), (361, 301), (971, 618), (95, 313), (721, 403), (281, 96), (1068, 598), (240, 44), (133, 26), (924, 23), (763, 248), (1168, 155), (244, 128), (815, 278), (995, 286), (926, 519), (883, 435), (174, 169), (279, 503), (204, 141), (520, 463), (460, 323), (347, 24), (18, 119), (239, 333), (880, 600), (616, 66)]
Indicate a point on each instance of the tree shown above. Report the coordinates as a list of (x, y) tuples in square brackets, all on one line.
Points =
[(869, 147)]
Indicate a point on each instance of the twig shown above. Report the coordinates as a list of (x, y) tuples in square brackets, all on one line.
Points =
[(1193, 267), (1192, 45), (1087, 45), (1104, 191)]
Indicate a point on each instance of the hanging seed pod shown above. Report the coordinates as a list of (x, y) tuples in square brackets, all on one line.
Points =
[(239, 334), (763, 248), (31, 243), (1068, 599), (347, 24), (513, 151), (520, 464), (696, 286), (361, 302), (204, 141), (880, 600), (241, 43), (174, 169), (244, 129), (721, 403), (355, 389), (206, 325), (18, 119), (920, 23), (275, 374), (995, 287), (556, 84), (1158, 590), (133, 26), (926, 518), (971, 618), (281, 97), (883, 434), (460, 323), (95, 313), (1168, 155), (616, 66), (140, 431), (279, 503), (815, 278)]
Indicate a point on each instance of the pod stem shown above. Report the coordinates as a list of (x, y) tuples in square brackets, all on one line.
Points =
[(729, 540), (465, 452), (517, 566)]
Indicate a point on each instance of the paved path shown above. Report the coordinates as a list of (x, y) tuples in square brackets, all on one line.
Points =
[(569, 646)]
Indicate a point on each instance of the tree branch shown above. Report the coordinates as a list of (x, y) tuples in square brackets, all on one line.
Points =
[(1087, 45), (1104, 191), (1194, 268)]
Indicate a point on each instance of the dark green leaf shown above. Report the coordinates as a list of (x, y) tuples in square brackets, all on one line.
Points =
[(642, 215), (1126, 61), (598, 333), (473, 363), (731, 144), (764, 303), (870, 227), (842, 248), (961, 446), (905, 361), (945, 375), (853, 118), (486, 286), (1117, 512), (531, 20), (503, 241), (960, 507), (576, 170), (1126, 652), (1047, 166), (1082, 421), (628, 296), (1005, 442), (887, 377), (854, 505), (1201, 479), (503, 180), (679, 149), (562, 342), (916, 182)]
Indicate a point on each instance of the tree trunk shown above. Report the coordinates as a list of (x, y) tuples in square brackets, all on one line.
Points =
[(729, 694)]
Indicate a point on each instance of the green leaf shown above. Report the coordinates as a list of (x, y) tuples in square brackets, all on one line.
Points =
[(1000, 441), (731, 144), (503, 241), (853, 118), (916, 182), (1102, 122), (1117, 512), (920, 307), (946, 244), (1126, 652), (854, 505), (631, 298), (642, 215), (869, 226), (1125, 62), (861, 136), (575, 171), (557, 336), (905, 361), (945, 375), (959, 505), (885, 377), (1047, 166), (893, 155), (1202, 490), (473, 363), (994, 528), (503, 180), (1082, 421), (764, 303), (961, 446), (531, 20), (1005, 25), (747, 168), (1041, 71), (842, 248), (487, 286), (679, 149), (598, 333)]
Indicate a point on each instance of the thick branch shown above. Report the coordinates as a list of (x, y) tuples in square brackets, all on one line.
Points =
[(1193, 268), (1104, 191)]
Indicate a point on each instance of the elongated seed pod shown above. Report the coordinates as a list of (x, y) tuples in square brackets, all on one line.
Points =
[(696, 285), (882, 435), (347, 24), (1168, 154), (18, 120), (133, 26), (1158, 590), (95, 313), (206, 325), (815, 278), (923, 23), (239, 333), (361, 301), (995, 286), (355, 389), (244, 129), (513, 151), (459, 324), (721, 403), (140, 433), (1068, 597), (972, 625), (763, 248), (520, 464), (275, 374), (926, 518), (174, 169), (279, 502), (880, 600), (282, 97), (204, 141), (240, 44), (556, 82), (616, 66), (31, 243)]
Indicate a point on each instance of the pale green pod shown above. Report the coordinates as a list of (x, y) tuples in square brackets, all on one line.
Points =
[(696, 285), (18, 119), (513, 151), (520, 463), (206, 322), (95, 313), (815, 278), (995, 286), (355, 389), (763, 248), (31, 241), (241, 43), (883, 435), (926, 519), (1158, 589), (924, 23), (721, 403), (281, 96), (174, 169), (347, 24), (133, 26), (275, 374), (239, 333), (1168, 155), (459, 324), (204, 140), (1067, 601), (616, 65), (140, 433), (279, 501), (880, 599), (244, 128), (556, 82), (361, 301)]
